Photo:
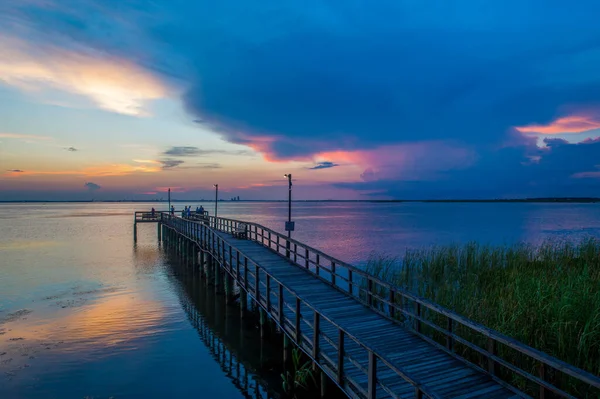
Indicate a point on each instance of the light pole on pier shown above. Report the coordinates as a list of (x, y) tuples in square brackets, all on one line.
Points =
[(289, 226), (169, 210), (216, 201)]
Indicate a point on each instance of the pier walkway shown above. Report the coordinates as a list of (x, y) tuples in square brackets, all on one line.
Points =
[(373, 339)]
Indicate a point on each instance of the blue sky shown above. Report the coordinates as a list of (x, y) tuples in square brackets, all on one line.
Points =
[(387, 99)]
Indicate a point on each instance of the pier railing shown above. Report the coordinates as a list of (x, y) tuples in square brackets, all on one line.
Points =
[(338, 354), (472, 343)]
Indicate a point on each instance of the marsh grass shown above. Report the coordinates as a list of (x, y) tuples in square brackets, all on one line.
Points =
[(546, 296)]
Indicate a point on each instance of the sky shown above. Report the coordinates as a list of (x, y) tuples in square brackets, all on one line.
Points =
[(387, 99)]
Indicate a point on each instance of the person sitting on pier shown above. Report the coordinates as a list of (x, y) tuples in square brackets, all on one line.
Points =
[(153, 212)]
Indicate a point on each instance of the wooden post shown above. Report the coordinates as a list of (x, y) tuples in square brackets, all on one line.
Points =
[(298, 320), (333, 273), (262, 322), (246, 273), (134, 232), (158, 231), (418, 314), (243, 303), (392, 303), (323, 384), (280, 310), (287, 348), (369, 290), (228, 288), (316, 329), (340, 362), (268, 294), (372, 380), (318, 266), (491, 352), (449, 339), (350, 290), (542, 374), (306, 259)]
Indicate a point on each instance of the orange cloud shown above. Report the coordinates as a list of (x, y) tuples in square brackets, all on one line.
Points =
[(19, 136), (97, 171), (567, 124), (112, 84)]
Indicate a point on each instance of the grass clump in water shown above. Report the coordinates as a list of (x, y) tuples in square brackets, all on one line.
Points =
[(546, 296)]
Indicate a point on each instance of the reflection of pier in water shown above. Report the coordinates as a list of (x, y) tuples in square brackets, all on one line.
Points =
[(232, 342)]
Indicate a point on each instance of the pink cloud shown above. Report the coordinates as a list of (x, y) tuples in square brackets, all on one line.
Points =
[(411, 161), (567, 124)]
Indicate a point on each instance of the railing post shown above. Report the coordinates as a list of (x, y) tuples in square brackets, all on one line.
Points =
[(418, 314), (280, 310), (340, 362), (298, 319), (350, 282), (317, 265), (491, 346), (333, 273), (268, 289), (392, 303), (316, 327), (306, 260), (369, 289), (246, 273), (270, 246), (449, 339), (237, 265), (372, 381), (542, 374), (257, 286), (295, 253)]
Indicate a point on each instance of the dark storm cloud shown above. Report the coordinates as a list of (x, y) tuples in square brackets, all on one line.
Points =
[(15, 170), (561, 169), (292, 79), (324, 165), (92, 186)]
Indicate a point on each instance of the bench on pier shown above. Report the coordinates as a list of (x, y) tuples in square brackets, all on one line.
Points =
[(240, 230)]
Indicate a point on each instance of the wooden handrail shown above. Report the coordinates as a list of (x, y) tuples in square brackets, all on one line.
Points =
[(220, 243), (373, 282)]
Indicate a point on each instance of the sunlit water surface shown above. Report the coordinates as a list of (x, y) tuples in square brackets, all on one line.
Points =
[(86, 313)]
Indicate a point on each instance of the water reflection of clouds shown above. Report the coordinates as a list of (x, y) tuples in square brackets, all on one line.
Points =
[(116, 321), (25, 244)]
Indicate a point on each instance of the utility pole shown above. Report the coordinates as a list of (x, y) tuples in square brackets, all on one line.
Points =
[(216, 201), (289, 226)]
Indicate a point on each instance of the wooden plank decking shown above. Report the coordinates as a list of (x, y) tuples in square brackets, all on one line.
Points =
[(441, 373), (365, 334)]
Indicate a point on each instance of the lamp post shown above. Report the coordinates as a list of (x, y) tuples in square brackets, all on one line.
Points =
[(216, 202), (169, 210), (289, 226)]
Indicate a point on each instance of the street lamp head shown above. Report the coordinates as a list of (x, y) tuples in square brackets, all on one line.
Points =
[(215, 185)]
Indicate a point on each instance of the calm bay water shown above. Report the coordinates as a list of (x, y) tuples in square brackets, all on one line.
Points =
[(85, 312)]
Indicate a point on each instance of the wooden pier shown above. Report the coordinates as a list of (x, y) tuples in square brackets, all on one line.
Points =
[(369, 337)]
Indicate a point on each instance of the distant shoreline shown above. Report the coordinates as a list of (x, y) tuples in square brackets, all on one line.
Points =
[(576, 200)]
